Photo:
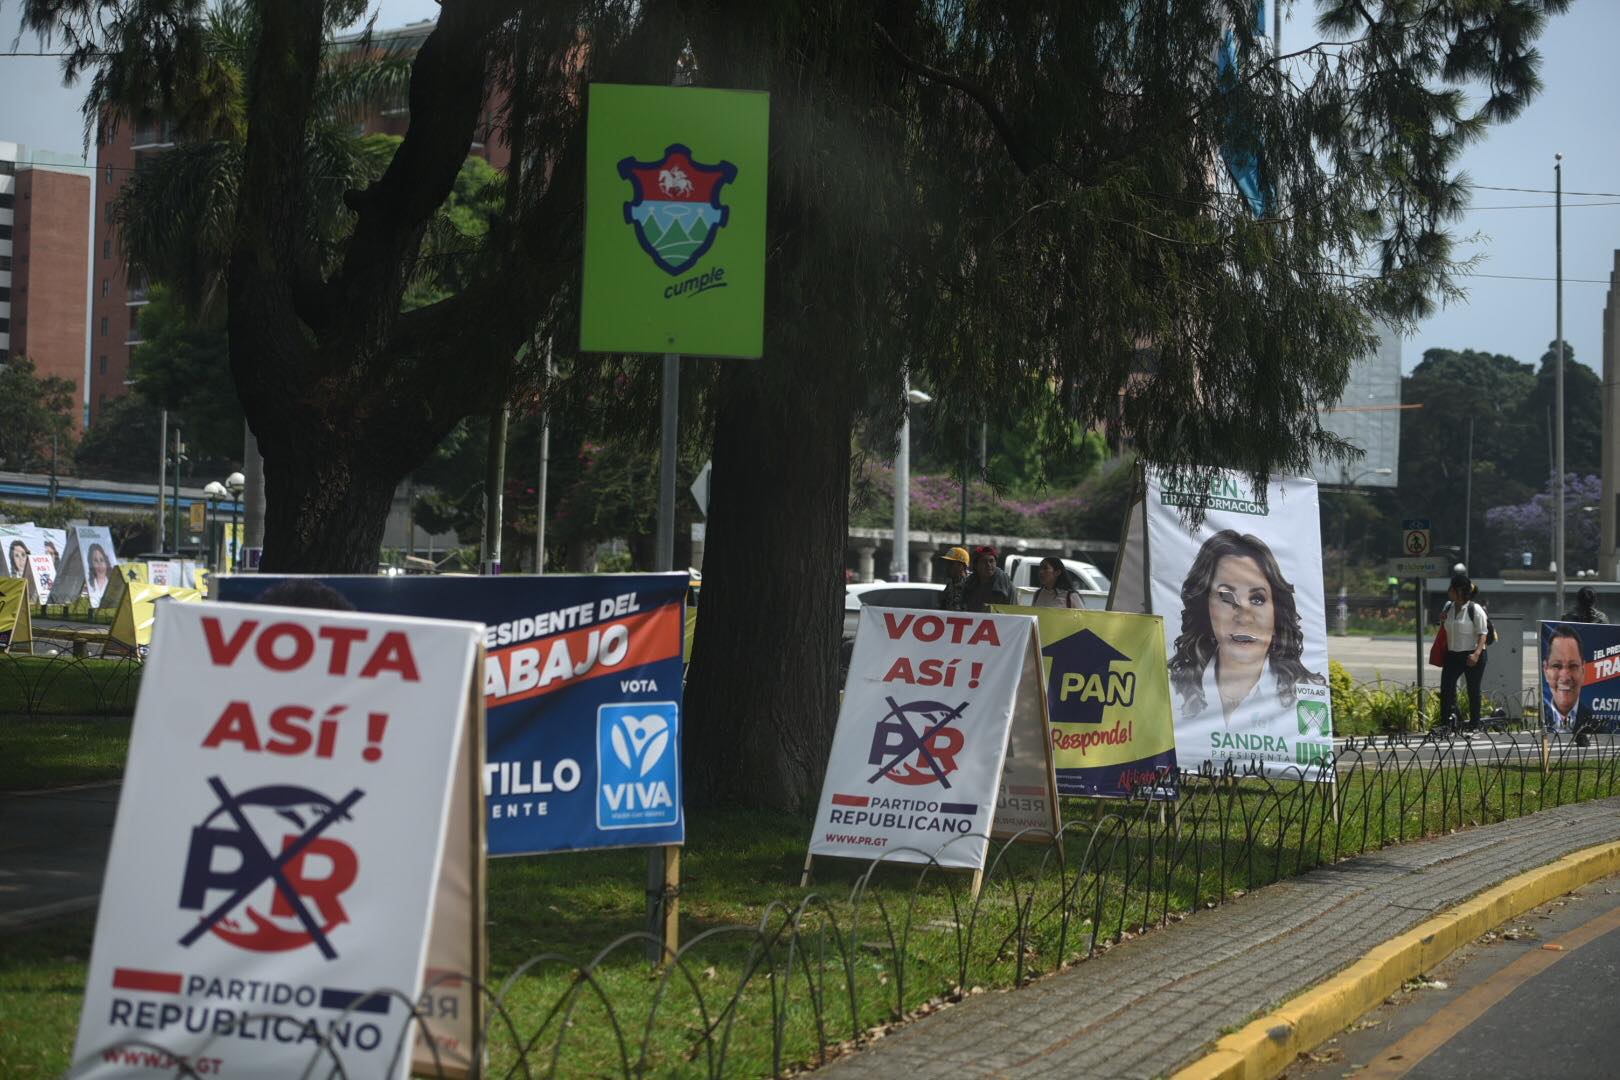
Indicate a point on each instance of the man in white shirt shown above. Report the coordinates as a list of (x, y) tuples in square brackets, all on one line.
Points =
[(1564, 673)]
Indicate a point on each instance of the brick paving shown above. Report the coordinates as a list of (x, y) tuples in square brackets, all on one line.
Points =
[(1152, 1005)]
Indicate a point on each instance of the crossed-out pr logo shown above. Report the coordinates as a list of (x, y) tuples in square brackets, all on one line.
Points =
[(278, 887), (914, 743), (638, 765)]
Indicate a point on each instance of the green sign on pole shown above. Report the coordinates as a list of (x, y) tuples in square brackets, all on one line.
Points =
[(675, 221)]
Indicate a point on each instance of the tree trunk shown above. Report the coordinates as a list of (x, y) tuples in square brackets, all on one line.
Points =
[(324, 513), (762, 695)]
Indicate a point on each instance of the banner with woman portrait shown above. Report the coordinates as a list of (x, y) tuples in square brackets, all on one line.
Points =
[(88, 568), (1244, 617), (21, 543)]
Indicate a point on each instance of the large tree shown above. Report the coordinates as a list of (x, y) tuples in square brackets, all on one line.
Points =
[(1028, 204), (36, 417)]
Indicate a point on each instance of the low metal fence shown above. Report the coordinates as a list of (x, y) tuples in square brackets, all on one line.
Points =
[(829, 968)]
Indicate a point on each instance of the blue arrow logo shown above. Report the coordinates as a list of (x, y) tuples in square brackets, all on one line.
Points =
[(1082, 682)]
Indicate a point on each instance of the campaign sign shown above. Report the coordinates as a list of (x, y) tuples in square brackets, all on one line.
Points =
[(917, 758), (1580, 677), (1241, 597), (1108, 702), (578, 668), (88, 567), (278, 844)]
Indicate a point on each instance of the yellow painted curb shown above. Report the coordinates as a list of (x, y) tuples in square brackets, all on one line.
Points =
[(1267, 1046)]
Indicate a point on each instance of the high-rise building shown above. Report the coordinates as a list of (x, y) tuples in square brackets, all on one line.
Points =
[(115, 323), (44, 208)]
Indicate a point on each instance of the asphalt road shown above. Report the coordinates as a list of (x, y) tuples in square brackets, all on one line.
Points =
[(1395, 660), (1533, 998)]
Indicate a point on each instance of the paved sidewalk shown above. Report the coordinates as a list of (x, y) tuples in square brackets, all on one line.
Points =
[(1152, 1005), (53, 849)]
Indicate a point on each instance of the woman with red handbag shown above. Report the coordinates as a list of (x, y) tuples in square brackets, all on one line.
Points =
[(1463, 626)]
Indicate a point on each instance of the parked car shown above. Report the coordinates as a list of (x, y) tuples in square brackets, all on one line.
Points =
[(1088, 580), (906, 594)]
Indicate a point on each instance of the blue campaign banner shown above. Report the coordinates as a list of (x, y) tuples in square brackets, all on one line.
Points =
[(582, 687), (1580, 677)]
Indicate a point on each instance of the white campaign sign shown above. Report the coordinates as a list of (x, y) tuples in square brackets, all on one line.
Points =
[(88, 567), (1244, 619), (922, 736), (278, 843)]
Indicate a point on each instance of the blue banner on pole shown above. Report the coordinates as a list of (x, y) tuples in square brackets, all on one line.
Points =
[(582, 687)]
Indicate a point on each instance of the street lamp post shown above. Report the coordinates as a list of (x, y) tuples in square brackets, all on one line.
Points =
[(234, 484), (214, 491), (1342, 614), (899, 565)]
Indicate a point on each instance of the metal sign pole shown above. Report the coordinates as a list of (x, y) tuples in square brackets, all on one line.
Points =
[(664, 863), (1417, 603)]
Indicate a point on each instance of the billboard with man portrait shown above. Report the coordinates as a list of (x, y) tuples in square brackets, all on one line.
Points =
[(1580, 666), (1245, 622)]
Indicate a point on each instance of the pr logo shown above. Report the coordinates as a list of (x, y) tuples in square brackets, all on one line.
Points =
[(915, 743), (638, 765), (262, 894)]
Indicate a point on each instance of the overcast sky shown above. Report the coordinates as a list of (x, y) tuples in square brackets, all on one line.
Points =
[(1510, 231)]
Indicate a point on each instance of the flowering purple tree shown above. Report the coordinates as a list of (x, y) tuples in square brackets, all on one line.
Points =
[(1528, 526)]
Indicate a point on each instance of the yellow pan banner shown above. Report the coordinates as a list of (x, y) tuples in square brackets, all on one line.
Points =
[(131, 633), (134, 572), (16, 624), (1107, 700)]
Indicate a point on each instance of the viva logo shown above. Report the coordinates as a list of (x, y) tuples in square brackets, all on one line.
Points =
[(638, 765)]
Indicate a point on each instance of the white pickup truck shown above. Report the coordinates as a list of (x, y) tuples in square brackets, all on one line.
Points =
[(1089, 581)]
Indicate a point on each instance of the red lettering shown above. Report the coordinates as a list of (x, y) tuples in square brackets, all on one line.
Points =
[(958, 624), (341, 638), (291, 736), (896, 626), (344, 868), (220, 650), (303, 646), (901, 670), (929, 628), (931, 672), (394, 654), (986, 633), (235, 724)]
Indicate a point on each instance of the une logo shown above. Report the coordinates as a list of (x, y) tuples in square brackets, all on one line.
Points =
[(638, 765)]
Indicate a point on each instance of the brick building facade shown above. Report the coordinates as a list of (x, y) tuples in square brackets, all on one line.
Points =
[(44, 248)]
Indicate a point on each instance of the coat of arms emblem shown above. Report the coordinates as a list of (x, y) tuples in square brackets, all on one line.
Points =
[(676, 210)]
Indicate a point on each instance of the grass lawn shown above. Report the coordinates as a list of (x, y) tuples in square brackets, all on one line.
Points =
[(67, 686), (919, 939), (58, 751)]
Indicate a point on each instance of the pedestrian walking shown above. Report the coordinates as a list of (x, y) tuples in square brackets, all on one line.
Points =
[(987, 584), (1057, 590), (956, 571), (1586, 610), (1465, 625)]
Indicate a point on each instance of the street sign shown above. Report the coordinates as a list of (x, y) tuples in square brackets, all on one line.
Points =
[(700, 488), (1430, 567), (675, 184), (1416, 539)]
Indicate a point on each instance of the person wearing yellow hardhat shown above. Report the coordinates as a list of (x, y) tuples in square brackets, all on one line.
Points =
[(956, 569)]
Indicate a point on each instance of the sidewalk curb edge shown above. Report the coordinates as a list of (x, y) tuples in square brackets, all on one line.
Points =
[(1266, 1046)]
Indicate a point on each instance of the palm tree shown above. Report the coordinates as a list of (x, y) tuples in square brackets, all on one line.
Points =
[(176, 214)]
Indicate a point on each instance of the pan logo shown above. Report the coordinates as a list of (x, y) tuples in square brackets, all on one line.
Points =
[(638, 765)]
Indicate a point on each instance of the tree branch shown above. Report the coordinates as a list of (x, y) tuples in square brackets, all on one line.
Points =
[(998, 120)]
